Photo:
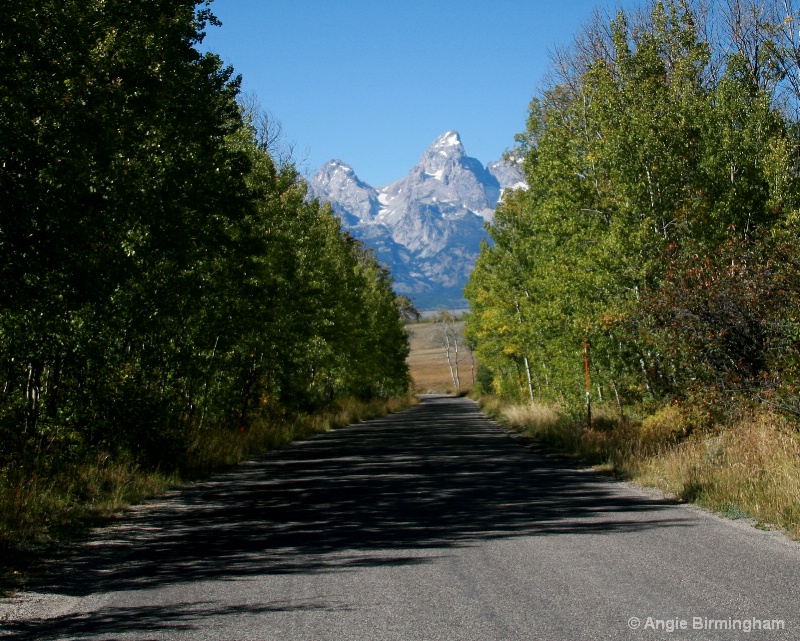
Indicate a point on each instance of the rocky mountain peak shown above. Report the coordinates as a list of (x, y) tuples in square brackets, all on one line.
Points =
[(442, 157), (352, 199), (427, 226), (450, 140), (340, 174)]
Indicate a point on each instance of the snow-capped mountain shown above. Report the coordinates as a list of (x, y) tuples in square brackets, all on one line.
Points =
[(427, 226)]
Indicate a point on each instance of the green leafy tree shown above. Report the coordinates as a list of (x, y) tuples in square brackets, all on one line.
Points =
[(161, 270), (640, 151)]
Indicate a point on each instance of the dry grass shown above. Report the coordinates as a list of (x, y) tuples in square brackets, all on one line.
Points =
[(531, 418), (428, 364), (748, 469), (38, 511), (217, 448)]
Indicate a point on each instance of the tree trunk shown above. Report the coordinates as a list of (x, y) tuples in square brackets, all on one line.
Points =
[(528, 374), (455, 344)]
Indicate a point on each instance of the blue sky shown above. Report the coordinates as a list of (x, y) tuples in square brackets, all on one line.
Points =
[(373, 83)]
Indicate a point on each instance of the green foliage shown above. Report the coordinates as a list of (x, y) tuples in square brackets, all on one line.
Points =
[(725, 324), (162, 274), (655, 184)]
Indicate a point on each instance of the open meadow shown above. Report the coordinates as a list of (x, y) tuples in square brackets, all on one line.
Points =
[(428, 360)]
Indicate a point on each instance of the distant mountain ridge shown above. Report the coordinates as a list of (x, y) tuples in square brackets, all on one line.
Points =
[(427, 226)]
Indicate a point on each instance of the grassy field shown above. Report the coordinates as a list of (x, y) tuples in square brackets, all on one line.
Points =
[(428, 363)]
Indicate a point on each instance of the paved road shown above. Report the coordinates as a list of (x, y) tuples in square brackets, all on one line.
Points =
[(432, 524)]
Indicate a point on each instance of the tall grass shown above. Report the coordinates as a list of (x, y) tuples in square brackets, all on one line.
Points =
[(749, 468), (38, 508), (213, 449), (58, 500)]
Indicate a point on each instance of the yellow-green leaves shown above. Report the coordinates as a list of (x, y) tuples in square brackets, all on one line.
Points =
[(643, 150)]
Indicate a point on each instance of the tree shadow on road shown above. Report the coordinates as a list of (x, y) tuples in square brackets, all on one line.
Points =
[(156, 620), (437, 476)]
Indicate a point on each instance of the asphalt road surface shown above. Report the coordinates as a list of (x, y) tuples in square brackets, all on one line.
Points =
[(430, 524)]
